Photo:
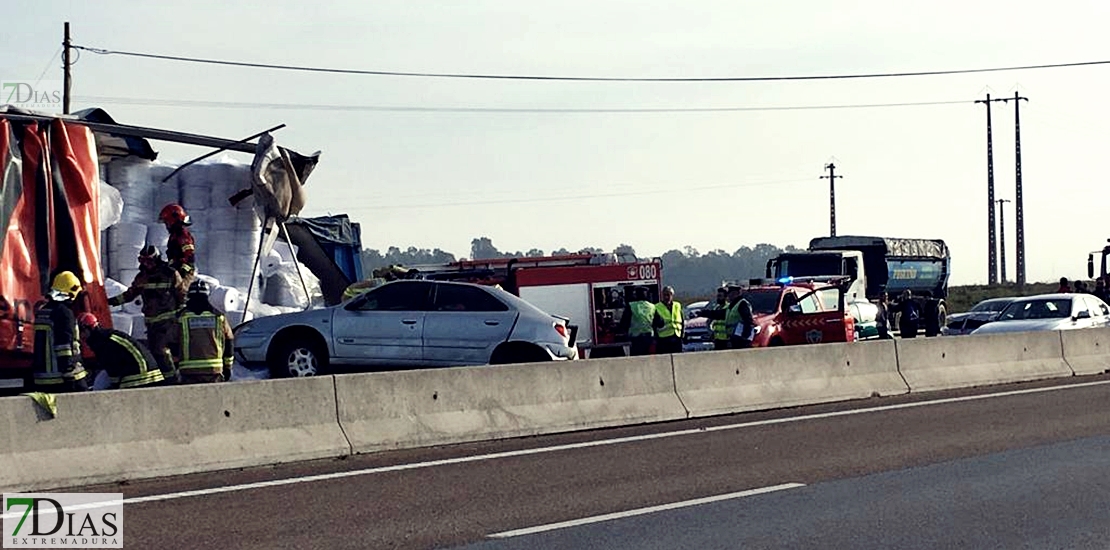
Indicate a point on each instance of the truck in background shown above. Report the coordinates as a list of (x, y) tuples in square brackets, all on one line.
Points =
[(874, 265), (1102, 255), (590, 290)]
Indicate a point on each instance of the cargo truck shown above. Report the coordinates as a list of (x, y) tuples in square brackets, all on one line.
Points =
[(874, 265)]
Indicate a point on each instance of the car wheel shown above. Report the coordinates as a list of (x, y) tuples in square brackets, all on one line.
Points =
[(519, 354), (297, 359)]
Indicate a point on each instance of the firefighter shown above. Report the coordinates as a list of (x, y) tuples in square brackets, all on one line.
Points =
[(669, 336), (160, 287), (128, 363), (639, 321), (717, 326), (202, 340), (181, 247), (57, 356)]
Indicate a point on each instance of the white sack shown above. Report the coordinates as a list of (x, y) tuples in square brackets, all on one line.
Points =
[(111, 206)]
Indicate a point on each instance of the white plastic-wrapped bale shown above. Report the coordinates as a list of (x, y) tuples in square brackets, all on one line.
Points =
[(138, 327), (158, 235), (126, 276), (110, 207), (195, 187), (125, 241), (123, 322), (114, 288), (225, 299)]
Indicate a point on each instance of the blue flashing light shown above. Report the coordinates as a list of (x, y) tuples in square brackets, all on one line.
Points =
[(786, 280)]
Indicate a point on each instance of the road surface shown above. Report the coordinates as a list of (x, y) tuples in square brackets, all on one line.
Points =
[(1015, 466)]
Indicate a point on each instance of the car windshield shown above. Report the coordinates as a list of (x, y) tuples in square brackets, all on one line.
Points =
[(991, 305), (763, 301), (1055, 308)]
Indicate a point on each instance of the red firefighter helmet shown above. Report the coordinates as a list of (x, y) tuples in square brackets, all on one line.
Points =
[(88, 320), (173, 214)]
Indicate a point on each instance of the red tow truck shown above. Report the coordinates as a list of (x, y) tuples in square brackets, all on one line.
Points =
[(794, 311), (589, 289)]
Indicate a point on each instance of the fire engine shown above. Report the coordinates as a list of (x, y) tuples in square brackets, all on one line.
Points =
[(591, 290), (803, 310)]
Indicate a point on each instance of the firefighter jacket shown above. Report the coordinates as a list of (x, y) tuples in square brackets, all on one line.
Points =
[(128, 363), (181, 250), (739, 314), (202, 343), (672, 319), (161, 290), (57, 356)]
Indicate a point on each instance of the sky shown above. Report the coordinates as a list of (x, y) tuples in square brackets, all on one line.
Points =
[(655, 180)]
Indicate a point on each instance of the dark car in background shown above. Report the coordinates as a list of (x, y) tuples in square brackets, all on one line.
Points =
[(984, 312)]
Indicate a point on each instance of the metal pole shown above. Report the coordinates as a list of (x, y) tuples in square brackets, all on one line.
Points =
[(67, 80), (992, 260), (832, 197), (254, 270), (296, 265), (1019, 207), (1002, 237)]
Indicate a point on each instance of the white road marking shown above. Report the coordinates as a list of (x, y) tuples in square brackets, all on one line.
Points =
[(642, 511), (588, 444)]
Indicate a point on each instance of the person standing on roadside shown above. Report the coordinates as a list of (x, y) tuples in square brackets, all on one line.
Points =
[(910, 315), (717, 327), (669, 336), (882, 317), (639, 321)]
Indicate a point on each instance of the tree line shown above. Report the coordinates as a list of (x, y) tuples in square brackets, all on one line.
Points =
[(691, 273)]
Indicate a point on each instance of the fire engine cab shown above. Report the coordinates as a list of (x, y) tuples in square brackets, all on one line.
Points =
[(793, 311), (591, 290)]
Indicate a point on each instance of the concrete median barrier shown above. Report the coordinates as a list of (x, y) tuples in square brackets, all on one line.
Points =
[(722, 382), (432, 407), (967, 361), (110, 436), (1087, 351)]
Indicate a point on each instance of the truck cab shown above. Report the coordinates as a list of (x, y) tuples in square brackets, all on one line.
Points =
[(1102, 257), (794, 312)]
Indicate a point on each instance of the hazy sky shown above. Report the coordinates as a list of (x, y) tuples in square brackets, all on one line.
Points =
[(657, 181)]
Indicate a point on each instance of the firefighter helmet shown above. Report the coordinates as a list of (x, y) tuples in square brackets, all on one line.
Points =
[(66, 284), (173, 214), (88, 320), (198, 288), (150, 252)]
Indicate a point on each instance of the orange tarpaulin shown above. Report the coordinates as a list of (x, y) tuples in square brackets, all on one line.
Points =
[(49, 209)]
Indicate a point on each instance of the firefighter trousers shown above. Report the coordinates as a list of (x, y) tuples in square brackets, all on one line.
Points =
[(157, 337)]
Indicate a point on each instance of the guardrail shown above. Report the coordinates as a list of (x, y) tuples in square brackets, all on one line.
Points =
[(103, 437)]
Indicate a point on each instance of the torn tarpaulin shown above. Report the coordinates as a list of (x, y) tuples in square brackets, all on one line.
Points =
[(279, 177)]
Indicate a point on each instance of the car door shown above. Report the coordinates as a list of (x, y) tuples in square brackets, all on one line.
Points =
[(1095, 307), (464, 325), (384, 326), (809, 323)]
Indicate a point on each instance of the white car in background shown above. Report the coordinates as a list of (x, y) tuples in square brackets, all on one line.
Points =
[(1049, 312)]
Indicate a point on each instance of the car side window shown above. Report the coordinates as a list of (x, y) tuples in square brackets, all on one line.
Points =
[(404, 296), (809, 303), (466, 298), (830, 299), (1096, 306)]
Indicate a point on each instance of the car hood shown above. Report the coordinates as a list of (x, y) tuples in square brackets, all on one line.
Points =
[(312, 317), (976, 315), (1025, 325), (696, 322)]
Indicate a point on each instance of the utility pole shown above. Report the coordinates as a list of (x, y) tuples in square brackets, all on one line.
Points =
[(832, 196), (1002, 236), (1019, 208), (66, 79), (992, 259)]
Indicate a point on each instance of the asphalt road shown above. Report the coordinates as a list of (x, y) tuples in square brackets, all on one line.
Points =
[(1013, 466)]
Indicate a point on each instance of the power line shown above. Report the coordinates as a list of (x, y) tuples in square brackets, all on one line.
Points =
[(578, 197), (104, 51), (404, 108)]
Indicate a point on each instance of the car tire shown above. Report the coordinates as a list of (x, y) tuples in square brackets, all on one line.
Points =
[(297, 358), (519, 354)]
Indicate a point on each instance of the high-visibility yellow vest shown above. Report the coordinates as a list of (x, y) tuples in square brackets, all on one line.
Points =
[(672, 319), (717, 326), (643, 313), (202, 343)]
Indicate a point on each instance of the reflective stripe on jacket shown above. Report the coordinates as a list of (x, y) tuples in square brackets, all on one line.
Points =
[(204, 340)]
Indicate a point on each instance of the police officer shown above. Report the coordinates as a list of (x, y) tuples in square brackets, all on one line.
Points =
[(57, 355), (128, 363), (201, 340), (669, 336), (160, 287), (639, 321)]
